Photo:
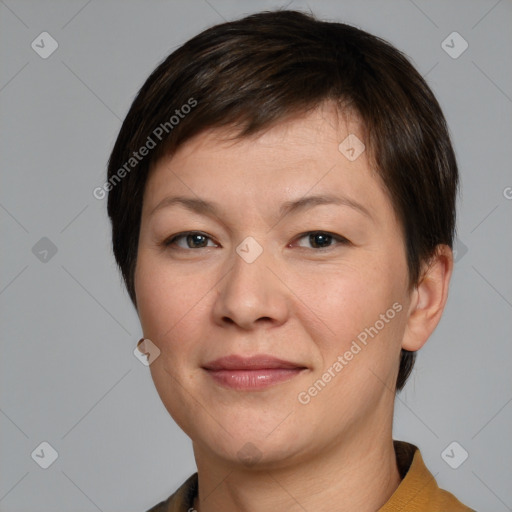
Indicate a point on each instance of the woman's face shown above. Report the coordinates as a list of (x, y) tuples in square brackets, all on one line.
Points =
[(252, 280)]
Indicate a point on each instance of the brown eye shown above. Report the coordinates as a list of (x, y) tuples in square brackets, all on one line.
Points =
[(323, 239), (193, 240)]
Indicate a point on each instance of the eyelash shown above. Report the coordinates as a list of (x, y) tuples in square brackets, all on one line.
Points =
[(172, 240)]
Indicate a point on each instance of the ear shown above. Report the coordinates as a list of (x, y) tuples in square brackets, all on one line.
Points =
[(428, 299)]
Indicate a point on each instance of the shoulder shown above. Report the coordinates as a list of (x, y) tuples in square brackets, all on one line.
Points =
[(181, 500), (418, 489)]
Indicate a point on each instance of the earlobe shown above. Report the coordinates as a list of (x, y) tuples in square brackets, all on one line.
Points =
[(428, 299)]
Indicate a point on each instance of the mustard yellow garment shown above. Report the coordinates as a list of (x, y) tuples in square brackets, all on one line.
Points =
[(418, 491)]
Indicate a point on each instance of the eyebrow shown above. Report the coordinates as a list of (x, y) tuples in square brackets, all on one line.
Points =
[(208, 208)]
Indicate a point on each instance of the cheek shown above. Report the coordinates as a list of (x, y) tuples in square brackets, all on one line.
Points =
[(155, 295), (171, 305), (168, 306), (350, 297), (362, 311)]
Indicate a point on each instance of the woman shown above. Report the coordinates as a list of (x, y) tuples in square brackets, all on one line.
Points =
[(282, 195)]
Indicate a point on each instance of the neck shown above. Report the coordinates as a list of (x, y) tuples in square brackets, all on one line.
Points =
[(352, 474)]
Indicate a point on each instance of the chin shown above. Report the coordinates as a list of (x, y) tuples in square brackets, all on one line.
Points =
[(254, 448)]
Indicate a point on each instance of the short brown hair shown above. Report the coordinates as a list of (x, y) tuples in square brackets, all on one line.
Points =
[(253, 73)]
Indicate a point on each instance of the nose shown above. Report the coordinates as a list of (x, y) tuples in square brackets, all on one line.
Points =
[(252, 293)]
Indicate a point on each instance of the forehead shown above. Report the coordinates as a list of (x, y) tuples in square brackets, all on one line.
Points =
[(304, 155), (302, 135)]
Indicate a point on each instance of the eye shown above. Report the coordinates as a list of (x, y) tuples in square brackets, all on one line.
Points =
[(198, 240), (193, 239), (323, 239)]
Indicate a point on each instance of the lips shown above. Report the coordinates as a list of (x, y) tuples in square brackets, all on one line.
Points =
[(260, 362), (252, 373)]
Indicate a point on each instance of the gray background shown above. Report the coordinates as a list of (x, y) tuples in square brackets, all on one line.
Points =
[(68, 373)]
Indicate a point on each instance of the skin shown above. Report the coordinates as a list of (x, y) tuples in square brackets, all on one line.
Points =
[(201, 301)]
